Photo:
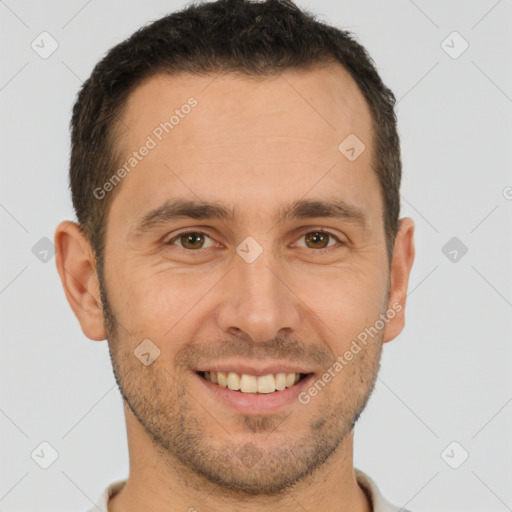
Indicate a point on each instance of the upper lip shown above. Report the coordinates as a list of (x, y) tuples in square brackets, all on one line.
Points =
[(253, 369)]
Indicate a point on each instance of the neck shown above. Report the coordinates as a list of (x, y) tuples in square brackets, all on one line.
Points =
[(159, 482)]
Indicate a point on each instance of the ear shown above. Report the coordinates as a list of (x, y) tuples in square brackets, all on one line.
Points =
[(76, 265), (401, 264)]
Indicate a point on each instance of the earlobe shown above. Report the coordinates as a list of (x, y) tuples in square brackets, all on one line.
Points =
[(75, 262), (401, 264)]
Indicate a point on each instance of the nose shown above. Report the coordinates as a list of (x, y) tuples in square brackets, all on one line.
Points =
[(257, 300)]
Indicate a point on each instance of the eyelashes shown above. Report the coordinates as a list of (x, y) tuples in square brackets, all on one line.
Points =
[(193, 236)]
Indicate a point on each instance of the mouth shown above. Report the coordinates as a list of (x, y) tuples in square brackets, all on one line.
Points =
[(254, 389), (253, 384)]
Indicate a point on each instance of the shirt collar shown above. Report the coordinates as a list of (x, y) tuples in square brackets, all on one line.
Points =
[(379, 503)]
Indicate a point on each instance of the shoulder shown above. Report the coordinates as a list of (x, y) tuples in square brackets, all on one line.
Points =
[(102, 502), (379, 503)]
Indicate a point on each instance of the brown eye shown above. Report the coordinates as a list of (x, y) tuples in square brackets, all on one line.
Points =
[(192, 240), (317, 239)]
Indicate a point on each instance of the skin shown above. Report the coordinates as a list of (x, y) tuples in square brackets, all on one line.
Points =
[(255, 145)]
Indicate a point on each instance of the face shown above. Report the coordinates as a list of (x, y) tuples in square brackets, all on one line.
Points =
[(245, 242)]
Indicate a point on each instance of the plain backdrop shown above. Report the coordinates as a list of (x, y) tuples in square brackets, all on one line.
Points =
[(444, 391)]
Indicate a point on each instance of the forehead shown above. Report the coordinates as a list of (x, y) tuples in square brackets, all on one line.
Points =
[(324, 97), (243, 137)]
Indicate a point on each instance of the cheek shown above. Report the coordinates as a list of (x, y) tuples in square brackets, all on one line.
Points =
[(344, 303), (158, 303), (162, 303)]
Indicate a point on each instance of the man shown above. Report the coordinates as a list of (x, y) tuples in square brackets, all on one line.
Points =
[(235, 171)]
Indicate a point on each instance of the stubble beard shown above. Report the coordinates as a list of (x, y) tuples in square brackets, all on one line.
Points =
[(182, 431)]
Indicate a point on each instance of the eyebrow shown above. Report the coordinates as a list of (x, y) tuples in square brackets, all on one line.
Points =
[(176, 209)]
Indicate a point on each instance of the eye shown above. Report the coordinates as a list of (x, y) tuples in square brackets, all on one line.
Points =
[(319, 239), (192, 240)]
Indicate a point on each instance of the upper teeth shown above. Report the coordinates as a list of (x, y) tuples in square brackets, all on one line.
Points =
[(251, 383)]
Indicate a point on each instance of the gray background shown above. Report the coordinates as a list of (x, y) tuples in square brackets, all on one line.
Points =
[(445, 379)]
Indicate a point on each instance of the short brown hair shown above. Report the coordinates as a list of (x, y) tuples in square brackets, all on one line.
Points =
[(255, 38)]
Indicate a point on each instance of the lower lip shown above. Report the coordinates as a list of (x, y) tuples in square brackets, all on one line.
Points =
[(257, 403)]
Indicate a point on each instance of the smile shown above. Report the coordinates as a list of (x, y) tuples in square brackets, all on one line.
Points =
[(246, 383)]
